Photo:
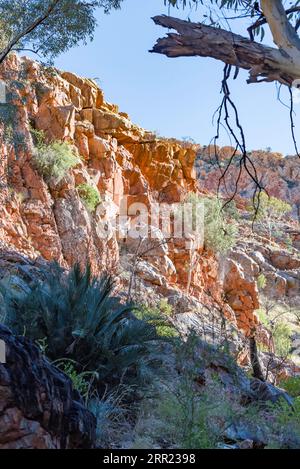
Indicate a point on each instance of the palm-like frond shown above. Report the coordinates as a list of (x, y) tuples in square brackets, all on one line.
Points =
[(81, 320)]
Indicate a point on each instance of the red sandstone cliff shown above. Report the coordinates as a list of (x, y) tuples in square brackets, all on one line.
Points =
[(118, 158)]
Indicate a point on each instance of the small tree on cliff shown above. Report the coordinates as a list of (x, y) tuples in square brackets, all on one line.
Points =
[(271, 213), (48, 27)]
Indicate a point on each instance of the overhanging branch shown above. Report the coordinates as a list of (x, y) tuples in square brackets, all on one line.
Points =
[(195, 39)]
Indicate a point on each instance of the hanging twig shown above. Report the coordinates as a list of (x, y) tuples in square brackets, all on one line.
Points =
[(292, 121), (243, 161)]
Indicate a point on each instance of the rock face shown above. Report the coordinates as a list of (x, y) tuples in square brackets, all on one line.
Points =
[(241, 290), (132, 171), (279, 175), (130, 168), (122, 161), (38, 407), (255, 255)]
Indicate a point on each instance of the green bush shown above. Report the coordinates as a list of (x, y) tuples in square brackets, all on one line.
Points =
[(285, 427), (280, 332), (184, 414), (261, 282), (181, 413), (187, 417), (111, 416), (90, 196), (263, 318), (291, 385), (220, 227), (38, 137), (83, 322), (55, 159), (282, 339), (272, 208), (270, 214), (82, 382), (159, 316)]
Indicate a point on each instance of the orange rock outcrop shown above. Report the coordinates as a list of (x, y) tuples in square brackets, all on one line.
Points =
[(121, 161)]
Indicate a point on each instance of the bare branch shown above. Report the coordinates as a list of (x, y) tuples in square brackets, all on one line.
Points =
[(195, 39)]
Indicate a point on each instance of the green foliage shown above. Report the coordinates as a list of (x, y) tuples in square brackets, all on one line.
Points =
[(187, 416), (289, 243), (55, 159), (288, 414), (159, 317), (38, 137), (188, 411), (261, 282), (85, 323), (280, 331), (220, 227), (61, 27), (110, 415), (282, 339), (82, 382), (183, 414), (165, 308), (291, 385), (272, 208), (270, 215), (263, 318), (90, 196), (296, 313), (234, 4), (4, 36)]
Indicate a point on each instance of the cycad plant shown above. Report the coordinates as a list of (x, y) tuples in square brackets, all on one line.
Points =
[(81, 320)]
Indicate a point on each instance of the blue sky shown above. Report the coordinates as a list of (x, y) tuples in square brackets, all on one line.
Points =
[(175, 97)]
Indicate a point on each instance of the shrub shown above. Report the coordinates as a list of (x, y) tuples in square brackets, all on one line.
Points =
[(110, 416), (85, 323), (187, 417), (82, 382), (291, 385), (220, 227), (280, 332), (271, 211), (282, 339), (272, 207), (285, 430), (55, 160), (296, 313), (159, 317), (90, 196), (263, 318), (38, 137), (181, 413), (261, 281)]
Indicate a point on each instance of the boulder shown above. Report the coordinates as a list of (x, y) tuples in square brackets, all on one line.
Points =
[(38, 407)]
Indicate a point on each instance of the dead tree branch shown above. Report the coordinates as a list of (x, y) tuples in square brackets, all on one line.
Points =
[(195, 39)]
